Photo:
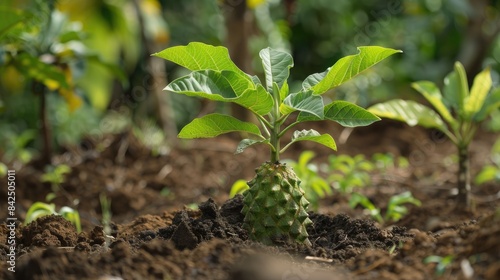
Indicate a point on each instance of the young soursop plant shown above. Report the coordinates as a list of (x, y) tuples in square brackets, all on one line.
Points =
[(274, 205)]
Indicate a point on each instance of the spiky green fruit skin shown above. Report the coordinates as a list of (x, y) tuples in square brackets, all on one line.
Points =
[(275, 207)]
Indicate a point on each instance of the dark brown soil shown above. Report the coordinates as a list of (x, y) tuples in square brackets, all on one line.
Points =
[(154, 235)]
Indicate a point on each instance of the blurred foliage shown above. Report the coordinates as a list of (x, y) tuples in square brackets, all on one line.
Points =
[(490, 172), (432, 34)]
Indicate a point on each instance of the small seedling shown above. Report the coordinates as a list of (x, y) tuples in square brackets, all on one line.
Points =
[(55, 175), (491, 172), (348, 173), (314, 186), (442, 263), (395, 207), (457, 113), (39, 209), (274, 207)]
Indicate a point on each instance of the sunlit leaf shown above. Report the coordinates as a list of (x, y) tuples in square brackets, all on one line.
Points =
[(238, 187), (478, 93), (198, 56), (344, 113), (491, 103), (347, 67), (410, 112), (216, 124), (432, 93)]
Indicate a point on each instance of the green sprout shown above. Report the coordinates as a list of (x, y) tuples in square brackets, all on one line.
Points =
[(395, 207), (457, 113), (442, 263), (55, 175), (39, 209), (274, 206), (491, 172)]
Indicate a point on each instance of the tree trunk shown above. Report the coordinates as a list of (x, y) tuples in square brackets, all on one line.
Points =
[(158, 73), (478, 39), (238, 27), (464, 188), (45, 131)]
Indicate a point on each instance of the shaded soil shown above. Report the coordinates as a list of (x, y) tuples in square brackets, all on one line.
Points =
[(154, 233)]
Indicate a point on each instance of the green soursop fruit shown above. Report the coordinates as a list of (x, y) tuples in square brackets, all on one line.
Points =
[(275, 206)]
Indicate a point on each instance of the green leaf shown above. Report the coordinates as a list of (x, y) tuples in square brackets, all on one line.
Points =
[(198, 56), (39, 209), (245, 143), (216, 124), (491, 103), (410, 112), (303, 102), (313, 79), (478, 93), (10, 18), (50, 75), (488, 173), (432, 93), (238, 187), (456, 89), (451, 96), (348, 67), (345, 113), (312, 135), (276, 65), (463, 88), (226, 86)]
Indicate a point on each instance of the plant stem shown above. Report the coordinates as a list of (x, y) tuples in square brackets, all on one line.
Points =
[(464, 188), (275, 127)]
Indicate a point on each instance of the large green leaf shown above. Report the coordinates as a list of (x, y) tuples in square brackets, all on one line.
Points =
[(276, 65), (216, 124), (345, 113), (312, 135), (480, 88), (226, 86), (303, 102), (198, 56), (348, 67), (432, 93), (410, 112)]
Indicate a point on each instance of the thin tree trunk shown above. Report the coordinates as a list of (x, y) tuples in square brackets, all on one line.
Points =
[(238, 26), (45, 130), (464, 188), (156, 68), (478, 38)]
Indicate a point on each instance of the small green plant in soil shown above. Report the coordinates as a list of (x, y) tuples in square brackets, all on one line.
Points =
[(441, 263), (314, 186), (395, 207), (55, 175), (490, 172), (349, 172), (274, 206), (457, 113), (39, 209)]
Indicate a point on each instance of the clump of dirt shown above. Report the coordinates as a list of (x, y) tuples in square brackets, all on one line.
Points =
[(51, 230)]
